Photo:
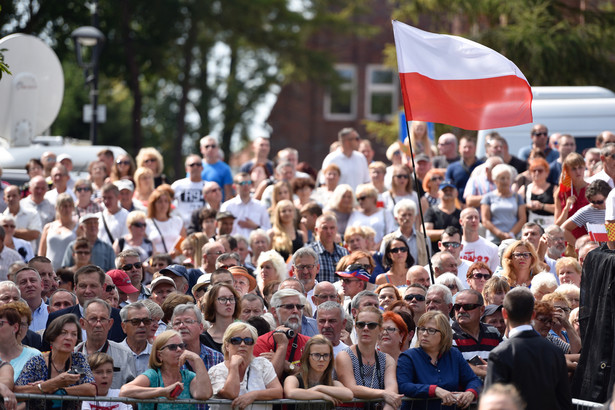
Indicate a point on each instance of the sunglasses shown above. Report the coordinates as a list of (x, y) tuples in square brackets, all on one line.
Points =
[(479, 276), (419, 298), (291, 306), (361, 198), (466, 306), (174, 346), (538, 134), (135, 322), (523, 255), (402, 176), (236, 341), (129, 266), (123, 162), (82, 252), (598, 202), (196, 164), (397, 250), (242, 183), (453, 245), (147, 161), (370, 325), (138, 224), (83, 189)]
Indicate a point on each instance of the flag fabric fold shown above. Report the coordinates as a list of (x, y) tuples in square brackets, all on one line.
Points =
[(456, 81)]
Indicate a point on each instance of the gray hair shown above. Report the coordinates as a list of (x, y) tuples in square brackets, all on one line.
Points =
[(449, 278), (501, 169), (187, 307), (436, 260), (99, 301), (7, 284), (154, 309), (356, 300), (293, 279), (277, 297), (133, 306), (543, 279), (259, 232), (305, 251), (479, 297), (329, 306), (119, 259), (72, 295), (226, 256), (405, 205), (553, 229), (448, 296)]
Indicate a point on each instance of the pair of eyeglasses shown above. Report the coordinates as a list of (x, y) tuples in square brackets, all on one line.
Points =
[(8, 226), (362, 198), (389, 329), (93, 321), (326, 297), (349, 280), (174, 346), (436, 178), (304, 267), (520, 255), (453, 245), (84, 189), (291, 306), (137, 321), (429, 330), (597, 202), (236, 341), (466, 306), (538, 134), (320, 356), (224, 301), (410, 296), (398, 250), (129, 266), (186, 322), (370, 325), (479, 276)]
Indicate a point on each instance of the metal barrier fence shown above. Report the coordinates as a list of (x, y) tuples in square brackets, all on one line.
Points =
[(417, 404)]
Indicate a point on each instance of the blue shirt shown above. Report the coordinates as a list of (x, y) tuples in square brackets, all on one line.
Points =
[(219, 172), (418, 378), (459, 173), (551, 154)]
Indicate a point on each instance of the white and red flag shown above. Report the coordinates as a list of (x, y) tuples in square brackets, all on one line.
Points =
[(455, 81)]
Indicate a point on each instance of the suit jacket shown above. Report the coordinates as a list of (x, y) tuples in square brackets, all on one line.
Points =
[(116, 333), (535, 366)]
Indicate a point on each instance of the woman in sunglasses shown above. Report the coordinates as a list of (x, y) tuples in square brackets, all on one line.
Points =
[(398, 260), (84, 204), (369, 374), (593, 213), (433, 363), (431, 186), (166, 376), (242, 377), (478, 274), (124, 168), (314, 380), (135, 239), (401, 187), (520, 264)]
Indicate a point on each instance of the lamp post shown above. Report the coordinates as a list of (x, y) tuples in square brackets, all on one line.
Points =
[(88, 44)]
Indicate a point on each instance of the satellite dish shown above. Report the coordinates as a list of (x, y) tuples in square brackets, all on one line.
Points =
[(31, 98)]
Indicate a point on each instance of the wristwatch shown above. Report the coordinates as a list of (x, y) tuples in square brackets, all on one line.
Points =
[(291, 366)]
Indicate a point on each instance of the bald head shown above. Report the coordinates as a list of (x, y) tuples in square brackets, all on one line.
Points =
[(418, 274)]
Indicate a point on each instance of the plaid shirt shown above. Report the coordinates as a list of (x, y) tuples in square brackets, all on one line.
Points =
[(211, 358), (328, 260)]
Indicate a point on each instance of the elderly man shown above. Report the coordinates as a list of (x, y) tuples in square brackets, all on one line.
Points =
[(188, 191), (414, 295), (187, 319), (259, 243), (89, 281), (60, 178), (418, 274), (470, 335), (28, 224), (249, 213), (102, 253), (329, 253), (136, 320), (112, 224), (211, 251), (161, 287), (215, 169), (540, 138), (331, 321), (352, 164), (251, 305), (323, 292), (496, 145), (475, 247), (243, 282), (405, 212), (8, 256), (481, 182), (286, 308), (305, 268), (308, 324), (447, 147), (443, 262), (61, 299), (129, 261), (29, 282), (96, 322), (36, 201), (439, 298), (556, 242)]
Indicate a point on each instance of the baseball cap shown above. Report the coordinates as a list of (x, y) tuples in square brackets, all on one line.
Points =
[(447, 184), (177, 270), (224, 214), (421, 157), (203, 280), (162, 279), (122, 281), (241, 271), (87, 217), (124, 184), (62, 157), (490, 310), (354, 271)]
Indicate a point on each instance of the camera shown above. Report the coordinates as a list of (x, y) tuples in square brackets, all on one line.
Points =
[(76, 370), (290, 333)]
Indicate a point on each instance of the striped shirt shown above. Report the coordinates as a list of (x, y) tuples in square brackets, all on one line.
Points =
[(488, 338)]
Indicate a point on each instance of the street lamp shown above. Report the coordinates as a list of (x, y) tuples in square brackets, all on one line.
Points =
[(88, 45)]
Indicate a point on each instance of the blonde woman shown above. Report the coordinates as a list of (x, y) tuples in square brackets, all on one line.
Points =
[(286, 239), (520, 264), (419, 138), (144, 185), (270, 267), (149, 157)]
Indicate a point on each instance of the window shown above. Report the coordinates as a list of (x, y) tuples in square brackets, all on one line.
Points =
[(381, 92), (341, 101)]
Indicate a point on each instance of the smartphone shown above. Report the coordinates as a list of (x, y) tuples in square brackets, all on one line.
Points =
[(176, 391), (476, 360)]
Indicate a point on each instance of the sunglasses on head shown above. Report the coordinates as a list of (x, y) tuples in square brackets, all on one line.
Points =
[(129, 266), (236, 341), (370, 325)]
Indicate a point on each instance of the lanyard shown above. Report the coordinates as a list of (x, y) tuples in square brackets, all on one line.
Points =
[(376, 369)]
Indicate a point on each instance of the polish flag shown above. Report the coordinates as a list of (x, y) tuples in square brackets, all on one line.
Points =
[(452, 80), (597, 232)]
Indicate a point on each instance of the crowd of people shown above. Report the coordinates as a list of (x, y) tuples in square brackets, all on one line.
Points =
[(428, 277)]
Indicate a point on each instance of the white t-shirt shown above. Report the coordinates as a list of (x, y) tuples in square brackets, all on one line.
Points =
[(382, 222), (116, 224), (106, 405), (610, 206), (170, 229), (354, 170), (188, 197), (481, 251)]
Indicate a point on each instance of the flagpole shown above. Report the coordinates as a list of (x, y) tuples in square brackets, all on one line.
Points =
[(416, 189)]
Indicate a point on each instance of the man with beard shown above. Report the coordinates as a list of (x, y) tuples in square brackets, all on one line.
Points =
[(472, 337), (276, 346), (556, 242), (187, 319)]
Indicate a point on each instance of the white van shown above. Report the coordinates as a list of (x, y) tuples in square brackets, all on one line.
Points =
[(582, 112)]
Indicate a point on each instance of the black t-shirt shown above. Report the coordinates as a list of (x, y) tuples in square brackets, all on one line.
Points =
[(441, 220)]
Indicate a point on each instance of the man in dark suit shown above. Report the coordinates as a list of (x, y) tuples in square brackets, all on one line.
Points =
[(89, 281), (535, 366)]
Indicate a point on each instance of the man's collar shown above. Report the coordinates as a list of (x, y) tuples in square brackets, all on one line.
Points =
[(516, 330)]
